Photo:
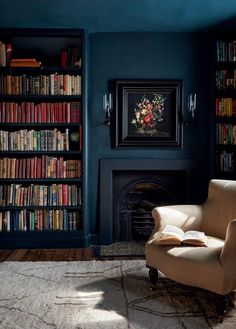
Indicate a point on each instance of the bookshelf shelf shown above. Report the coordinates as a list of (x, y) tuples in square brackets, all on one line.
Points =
[(46, 125), (39, 207), (38, 98), (40, 70), (35, 153), (42, 135), (40, 181)]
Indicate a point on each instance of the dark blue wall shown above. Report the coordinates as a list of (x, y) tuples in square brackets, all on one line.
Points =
[(147, 56)]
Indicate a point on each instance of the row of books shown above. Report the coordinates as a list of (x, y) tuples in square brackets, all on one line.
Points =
[(225, 107), (39, 220), (34, 140), (226, 161), (40, 195), (225, 79), (5, 53), (39, 167), (226, 133), (70, 56), (52, 84), (45, 112), (226, 51)]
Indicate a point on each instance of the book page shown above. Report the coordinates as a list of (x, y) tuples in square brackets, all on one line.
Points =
[(195, 238), (194, 235), (172, 231)]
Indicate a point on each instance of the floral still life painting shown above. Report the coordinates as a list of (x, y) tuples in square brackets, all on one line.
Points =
[(148, 113)]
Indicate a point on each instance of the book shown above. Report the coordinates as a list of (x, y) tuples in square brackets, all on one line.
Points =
[(173, 235), (24, 62)]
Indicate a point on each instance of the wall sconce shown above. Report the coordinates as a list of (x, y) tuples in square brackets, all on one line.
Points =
[(107, 107), (192, 105)]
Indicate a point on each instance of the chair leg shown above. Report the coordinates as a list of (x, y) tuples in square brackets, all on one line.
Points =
[(221, 307), (153, 277)]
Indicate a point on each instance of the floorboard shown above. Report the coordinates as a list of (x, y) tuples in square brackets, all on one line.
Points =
[(76, 254), (69, 255)]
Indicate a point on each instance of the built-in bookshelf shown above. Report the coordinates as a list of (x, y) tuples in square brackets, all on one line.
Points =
[(42, 161), (225, 106)]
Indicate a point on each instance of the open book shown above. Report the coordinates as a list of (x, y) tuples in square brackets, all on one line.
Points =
[(173, 235)]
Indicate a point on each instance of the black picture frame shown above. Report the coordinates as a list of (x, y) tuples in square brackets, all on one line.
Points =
[(148, 113)]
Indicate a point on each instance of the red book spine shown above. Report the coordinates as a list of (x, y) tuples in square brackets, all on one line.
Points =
[(36, 119), (27, 111), (63, 57), (39, 171), (19, 113), (48, 112), (56, 112), (52, 114), (7, 112), (35, 167), (43, 109), (15, 110), (23, 113), (60, 116), (39, 113), (23, 168), (32, 112), (63, 112), (32, 168), (11, 112), (28, 163), (68, 112)]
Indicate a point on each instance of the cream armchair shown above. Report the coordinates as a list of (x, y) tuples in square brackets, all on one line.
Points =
[(212, 268)]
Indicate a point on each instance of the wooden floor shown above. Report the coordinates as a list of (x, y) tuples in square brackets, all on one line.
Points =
[(47, 254), (40, 255)]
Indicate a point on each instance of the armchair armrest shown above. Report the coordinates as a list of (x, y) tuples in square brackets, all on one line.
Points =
[(187, 217), (228, 253)]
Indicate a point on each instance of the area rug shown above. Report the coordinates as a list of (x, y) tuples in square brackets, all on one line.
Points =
[(130, 248), (99, 294)]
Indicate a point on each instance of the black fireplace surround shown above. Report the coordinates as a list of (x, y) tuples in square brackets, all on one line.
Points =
[(117, 176)]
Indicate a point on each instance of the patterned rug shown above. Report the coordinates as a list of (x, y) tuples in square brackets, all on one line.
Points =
[(100, 294), (131, 248)]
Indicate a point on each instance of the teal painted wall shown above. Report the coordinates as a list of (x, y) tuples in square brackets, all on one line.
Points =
[(148, 56)]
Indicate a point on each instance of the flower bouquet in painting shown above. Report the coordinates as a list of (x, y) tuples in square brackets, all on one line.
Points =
[(147, 113)]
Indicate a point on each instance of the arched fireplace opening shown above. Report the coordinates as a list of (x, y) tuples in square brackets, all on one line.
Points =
[(133, 219), (169, 177)]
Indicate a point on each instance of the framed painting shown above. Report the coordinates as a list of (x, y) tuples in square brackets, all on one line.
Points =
[(148, 113)]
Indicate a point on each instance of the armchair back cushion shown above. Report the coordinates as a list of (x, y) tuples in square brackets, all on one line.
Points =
[(219, 208)]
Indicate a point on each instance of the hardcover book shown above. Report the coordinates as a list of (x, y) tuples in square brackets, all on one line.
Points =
[(173, 235)]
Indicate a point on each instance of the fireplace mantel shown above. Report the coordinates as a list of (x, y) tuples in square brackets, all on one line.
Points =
[(108, 166)]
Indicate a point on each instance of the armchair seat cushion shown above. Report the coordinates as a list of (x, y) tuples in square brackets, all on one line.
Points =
[(195, 266)]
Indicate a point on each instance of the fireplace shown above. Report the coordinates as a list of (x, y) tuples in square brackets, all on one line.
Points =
[(135, 194), (132, 213), (131, 188)]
